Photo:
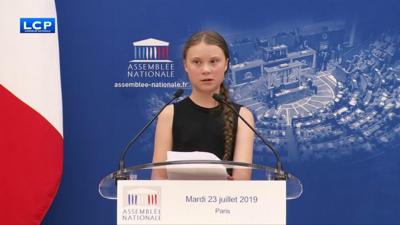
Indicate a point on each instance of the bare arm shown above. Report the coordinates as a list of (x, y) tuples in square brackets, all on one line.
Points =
[(244, 144), (163, 140)]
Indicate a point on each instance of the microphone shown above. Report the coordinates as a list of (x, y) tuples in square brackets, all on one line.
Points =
[(281, 175), (119, 175)]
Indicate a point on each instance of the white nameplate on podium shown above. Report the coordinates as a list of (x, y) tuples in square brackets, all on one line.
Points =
[(201, 202)]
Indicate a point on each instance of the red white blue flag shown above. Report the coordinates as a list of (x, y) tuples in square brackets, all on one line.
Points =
[(31, 137)]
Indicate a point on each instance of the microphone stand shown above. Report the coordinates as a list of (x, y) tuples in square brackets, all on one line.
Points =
[(280, 174), (119, 175)]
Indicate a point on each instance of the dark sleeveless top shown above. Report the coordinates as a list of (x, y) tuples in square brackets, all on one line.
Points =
[(196, 128)]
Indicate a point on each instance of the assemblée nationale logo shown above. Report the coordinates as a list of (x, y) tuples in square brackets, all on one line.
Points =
[(151, 67), (151, 50), (151, 60), (142, 205)]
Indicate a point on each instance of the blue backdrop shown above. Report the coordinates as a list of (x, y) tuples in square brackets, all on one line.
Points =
[(321, 77)]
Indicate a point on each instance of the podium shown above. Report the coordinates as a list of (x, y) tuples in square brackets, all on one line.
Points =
[(200, 192)]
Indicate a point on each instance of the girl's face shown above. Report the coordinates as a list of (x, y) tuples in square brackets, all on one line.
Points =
[(205, 65)]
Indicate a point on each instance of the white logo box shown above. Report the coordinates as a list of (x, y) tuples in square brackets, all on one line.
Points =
[(201, 202)]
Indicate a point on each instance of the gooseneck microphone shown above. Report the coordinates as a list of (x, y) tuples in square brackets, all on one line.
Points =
[(119, 175), (280, 173)]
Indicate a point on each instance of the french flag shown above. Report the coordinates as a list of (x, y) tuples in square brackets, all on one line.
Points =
[(31, 129)]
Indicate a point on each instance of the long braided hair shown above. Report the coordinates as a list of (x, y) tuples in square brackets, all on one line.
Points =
[(214, 38)]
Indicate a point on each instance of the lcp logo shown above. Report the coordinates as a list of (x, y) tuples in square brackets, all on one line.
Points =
[(37, 25)]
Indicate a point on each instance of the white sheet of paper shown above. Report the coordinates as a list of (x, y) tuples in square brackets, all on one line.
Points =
[(195, 171), (197, 155)]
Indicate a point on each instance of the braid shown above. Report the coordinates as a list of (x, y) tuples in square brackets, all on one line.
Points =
[(228, 121)]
